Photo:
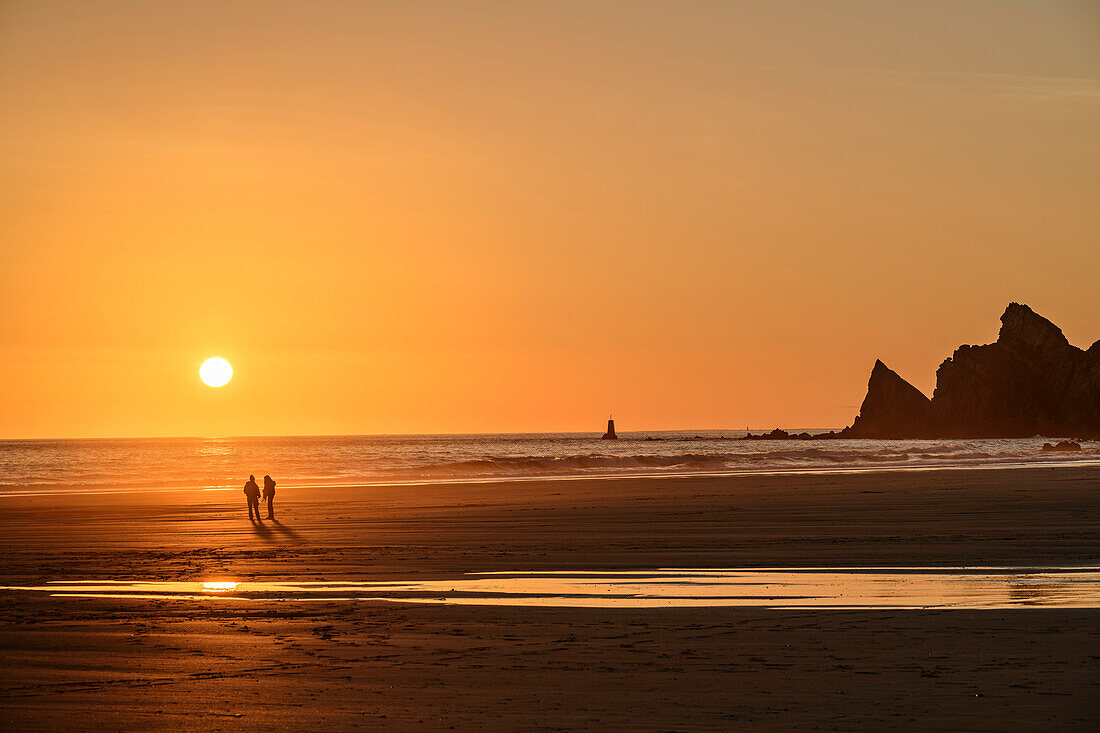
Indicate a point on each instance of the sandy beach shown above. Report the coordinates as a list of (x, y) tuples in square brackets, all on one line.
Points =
[(227, 663)]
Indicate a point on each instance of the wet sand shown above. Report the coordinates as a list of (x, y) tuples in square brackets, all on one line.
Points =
[(282, 664)]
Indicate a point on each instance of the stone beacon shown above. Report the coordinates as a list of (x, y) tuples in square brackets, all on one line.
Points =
[(610, 434)]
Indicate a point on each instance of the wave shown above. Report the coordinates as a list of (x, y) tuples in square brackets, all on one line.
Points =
[(568, 464), (537, 465)]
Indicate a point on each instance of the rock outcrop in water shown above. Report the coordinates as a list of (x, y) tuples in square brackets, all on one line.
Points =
[(1031, 381), (1064, 446)]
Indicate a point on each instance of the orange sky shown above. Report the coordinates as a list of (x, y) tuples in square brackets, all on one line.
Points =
[(451, 217)]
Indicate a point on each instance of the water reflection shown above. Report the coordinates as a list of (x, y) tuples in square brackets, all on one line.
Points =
[(1041, 594), (808, 588)]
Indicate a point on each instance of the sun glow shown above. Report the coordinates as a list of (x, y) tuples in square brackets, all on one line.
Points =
[(216, 372), (218, 585)]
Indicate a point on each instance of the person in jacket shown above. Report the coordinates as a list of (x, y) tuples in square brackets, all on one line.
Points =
[(252, 493)]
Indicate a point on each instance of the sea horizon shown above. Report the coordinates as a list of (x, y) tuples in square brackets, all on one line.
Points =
[(258, 436)]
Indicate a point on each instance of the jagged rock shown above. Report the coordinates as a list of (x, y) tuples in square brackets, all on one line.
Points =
[(776, 434), (1031, 381), (893, 408), (1062, 445)]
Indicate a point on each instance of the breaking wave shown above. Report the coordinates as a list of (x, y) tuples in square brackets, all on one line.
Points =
[(747, 460)]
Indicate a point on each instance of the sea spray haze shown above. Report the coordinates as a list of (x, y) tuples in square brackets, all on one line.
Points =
[(221, 463)]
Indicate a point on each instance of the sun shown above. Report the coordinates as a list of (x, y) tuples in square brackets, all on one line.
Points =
[(216, 372)]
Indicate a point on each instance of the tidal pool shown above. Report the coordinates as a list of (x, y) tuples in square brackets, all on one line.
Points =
[(778, 588)]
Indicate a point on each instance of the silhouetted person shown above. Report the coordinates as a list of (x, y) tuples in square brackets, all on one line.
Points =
[(252, 493), (269, 495)]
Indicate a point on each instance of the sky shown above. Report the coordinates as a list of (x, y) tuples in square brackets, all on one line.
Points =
[(430, 217)]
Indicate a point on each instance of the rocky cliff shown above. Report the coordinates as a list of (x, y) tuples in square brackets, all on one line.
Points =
[(1031, 381)]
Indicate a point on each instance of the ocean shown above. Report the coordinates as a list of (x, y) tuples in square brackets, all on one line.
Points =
[(155, 464)]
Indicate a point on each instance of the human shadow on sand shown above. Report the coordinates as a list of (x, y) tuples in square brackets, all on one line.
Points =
[(262, 530), (284, 530)]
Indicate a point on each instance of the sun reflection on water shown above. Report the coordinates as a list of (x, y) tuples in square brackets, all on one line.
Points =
[(778, 588)]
